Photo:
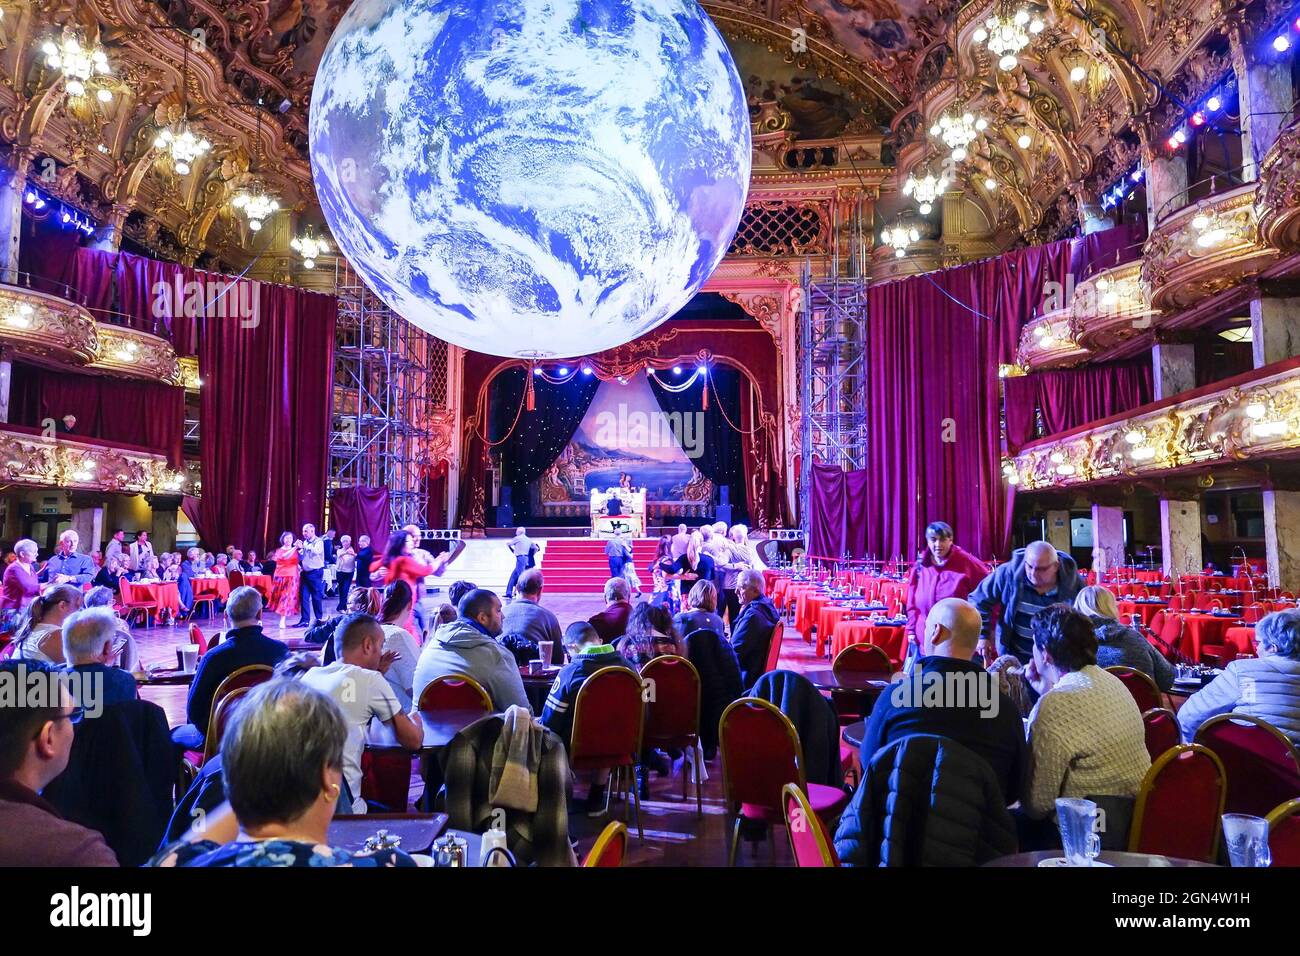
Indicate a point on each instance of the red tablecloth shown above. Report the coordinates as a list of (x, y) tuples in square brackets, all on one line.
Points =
[(1145, 611), (262, 582), (215, 585), (831, 616), (807, 608), (162, 593), (888, 637), (1237, 642), (1202, 629)]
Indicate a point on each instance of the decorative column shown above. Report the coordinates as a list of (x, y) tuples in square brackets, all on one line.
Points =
[(108, 237), (1274, 328), (163, 531), (1166, 172), (6, 378), (1173, 367), (1058, 530), (1263, 90), (13, 179), (88, 518), (1092, 217), (1180, 537), (1107, 537), (1281, 532)]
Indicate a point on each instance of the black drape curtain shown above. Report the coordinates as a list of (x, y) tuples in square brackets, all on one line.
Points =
[(721, 447), (542, 433)]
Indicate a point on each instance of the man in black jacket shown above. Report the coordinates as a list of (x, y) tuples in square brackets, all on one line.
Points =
[(949, 695), (751, 635), (365, 555)]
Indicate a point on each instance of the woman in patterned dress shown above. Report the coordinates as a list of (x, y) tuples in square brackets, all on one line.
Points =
[(284, 585)]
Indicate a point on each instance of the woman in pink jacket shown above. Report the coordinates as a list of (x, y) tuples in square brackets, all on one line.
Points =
[(943, 570)]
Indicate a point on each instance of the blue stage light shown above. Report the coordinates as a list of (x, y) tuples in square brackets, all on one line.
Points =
[(677, 370)]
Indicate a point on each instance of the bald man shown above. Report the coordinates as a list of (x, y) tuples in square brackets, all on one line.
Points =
[(1036, 576), (951, 695)]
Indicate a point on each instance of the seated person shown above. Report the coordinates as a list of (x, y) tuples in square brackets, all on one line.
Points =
[(1267, 686), (614, 506), (40, 632), (468, 646), (1118, 645), (283, 760), (244, 644), (650, 634), (356, 681), (395, 618), (587, 653), (35, 744), (1086, 736), (88, 647), (970, 709), (126, 654), (611, 623), (751, 635), (701, 610), (527, 621)]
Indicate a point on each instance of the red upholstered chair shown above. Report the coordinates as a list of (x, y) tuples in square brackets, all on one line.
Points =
[(133, 604), (610, 847), (222, 709), (208, 599), (672, 720), (1169, 639), (196, 637), (1284, 834), (1175, 602), (1162, 732), (236, 578), (455, 692), (386, 778), (608, 722), (1140, 685), (1252, 613), (774, 649), (811, 844), (761, 753), (243, 678), (1179, 805), (1263, 765), (858, 659)]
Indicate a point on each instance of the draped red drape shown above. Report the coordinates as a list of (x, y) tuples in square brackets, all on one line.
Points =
[(1070, 397), (361, 510), (264, 415)]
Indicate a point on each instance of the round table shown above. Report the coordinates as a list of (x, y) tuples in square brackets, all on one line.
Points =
[(1145, 610), (215, 585), (263, 583), (162, 593), (853, 733), (537, 686), (854, 682), (890, 638), (1113, 857), (1200, 630)]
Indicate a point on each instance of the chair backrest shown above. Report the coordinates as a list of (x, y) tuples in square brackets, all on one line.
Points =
[(610, 847), (221, 712), (196, 637), (672, 701), (1253, 613), (236, 578), (125, 593), (1179, 805), (455, 692), (1161, 728), (1157, 621), (1140, 685), (761, 753), (862, 659), (1171, 634), (1262, 763), (774, 649), (1284, 834), (248, 676), (608, 717), (809, 841)]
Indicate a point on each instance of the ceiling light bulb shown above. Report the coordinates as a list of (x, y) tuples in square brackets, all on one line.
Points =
[(1008, 62), (980, 35), (1281, 43), (1213, 103), (1078, 74), (1023, 141), (1256, 410)]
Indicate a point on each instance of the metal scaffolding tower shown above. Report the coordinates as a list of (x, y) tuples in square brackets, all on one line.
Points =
[(832, 379), (389, 379)]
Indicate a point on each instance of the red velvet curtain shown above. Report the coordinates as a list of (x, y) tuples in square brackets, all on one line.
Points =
[(264, 416), (361, 510), (1069, 398), (146, 415)]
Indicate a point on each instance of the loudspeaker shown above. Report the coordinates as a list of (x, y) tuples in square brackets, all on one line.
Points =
[(723, 513)]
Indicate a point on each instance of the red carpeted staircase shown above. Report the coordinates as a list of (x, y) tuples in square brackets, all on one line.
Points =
[(579, 565)]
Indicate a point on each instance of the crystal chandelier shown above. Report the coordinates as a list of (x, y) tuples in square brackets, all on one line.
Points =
[(310, 247), (898, 237), (79, 65), (1006, 34), (183, 145), (255, 205), (925, 190), (958, 130)]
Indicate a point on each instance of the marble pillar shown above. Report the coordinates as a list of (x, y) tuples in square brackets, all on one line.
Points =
[(1274, 329), (1282, 538), (1180, 537), (1108, 544), (1173, 368)]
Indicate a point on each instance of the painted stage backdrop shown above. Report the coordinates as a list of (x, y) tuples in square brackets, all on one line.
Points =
[(626, 432)]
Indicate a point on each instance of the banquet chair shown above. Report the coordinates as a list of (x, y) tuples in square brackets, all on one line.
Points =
[(241, 678), (1169, 639), (208, 600), (608, 723), (1263, 765), (222, 709), (386, 778), (610, 847), (672, 720), (774, 649), (454, 692), (811, 845), (858, 659), (1161, 729), (236, 578), (1284, 834), (1144, 690), (1175, 602), (1252, 613), (132, 604), (1179, 805), (761, 753), (196, 637)]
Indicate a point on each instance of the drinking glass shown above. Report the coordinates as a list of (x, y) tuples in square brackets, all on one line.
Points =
[(1077, 819), (1247, 839)]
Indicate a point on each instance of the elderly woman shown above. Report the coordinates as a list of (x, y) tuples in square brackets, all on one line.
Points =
[(1118, 644), (19, 586), (1267, 686), (282, 758), (40, 636), (943, 570), (700, 612), (1085, 733)]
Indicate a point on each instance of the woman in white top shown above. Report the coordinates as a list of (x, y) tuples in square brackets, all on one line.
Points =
[(40, 636), (395, 616)]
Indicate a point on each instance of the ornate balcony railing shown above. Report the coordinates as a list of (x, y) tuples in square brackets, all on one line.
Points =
[(31, 458)]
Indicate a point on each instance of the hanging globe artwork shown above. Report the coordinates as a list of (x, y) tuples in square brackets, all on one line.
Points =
[(532, 178)]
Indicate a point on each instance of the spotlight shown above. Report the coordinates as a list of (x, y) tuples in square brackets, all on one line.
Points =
[(677, 370), (586, 370), (537, 371), (1281, 43), (990, 184), (1198, 118), (1180, 137), (1213, 104), (1024, 141), (563, 371)]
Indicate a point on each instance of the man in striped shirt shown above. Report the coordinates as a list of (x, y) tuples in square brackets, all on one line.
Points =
[(1035, 577)]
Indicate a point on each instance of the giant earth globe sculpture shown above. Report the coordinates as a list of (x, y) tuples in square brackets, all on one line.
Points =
[(533, 178)]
